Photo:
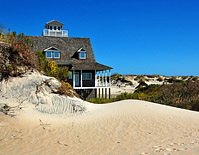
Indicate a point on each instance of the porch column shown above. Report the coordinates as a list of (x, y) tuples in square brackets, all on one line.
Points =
[(81, 78), (106, 78), (102, 78), (109, 78), (99, 93), (95, 78), (99, 79), (73, 78), (110, 93)]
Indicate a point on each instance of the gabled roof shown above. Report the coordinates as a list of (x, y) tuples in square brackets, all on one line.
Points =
[(53, 22), (51, 48), (81, 50)]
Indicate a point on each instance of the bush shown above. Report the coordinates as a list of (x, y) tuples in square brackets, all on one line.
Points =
[(51, 69), (115, 76), (66, 89), (160, 79), (101, 100), (61, 73), (173, 79), (16, 56), (183, 95)]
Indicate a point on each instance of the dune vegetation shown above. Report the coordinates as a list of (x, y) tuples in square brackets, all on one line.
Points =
[(184, 94)]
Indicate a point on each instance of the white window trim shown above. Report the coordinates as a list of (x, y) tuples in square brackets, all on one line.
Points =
[(84, 55), (87, 76), (56, 52), (52, 54), (47, 56), (48, 49)]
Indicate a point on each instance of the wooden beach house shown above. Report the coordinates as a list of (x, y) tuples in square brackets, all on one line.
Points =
[(89, 78)]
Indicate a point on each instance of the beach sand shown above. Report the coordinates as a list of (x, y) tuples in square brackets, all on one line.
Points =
[(125, 127)]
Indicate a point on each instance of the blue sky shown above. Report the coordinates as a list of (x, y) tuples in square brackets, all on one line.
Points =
[(132, 36)]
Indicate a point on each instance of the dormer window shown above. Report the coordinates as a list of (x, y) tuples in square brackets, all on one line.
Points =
[(52, 52), (56, 54), (48, 54), (82, 53)]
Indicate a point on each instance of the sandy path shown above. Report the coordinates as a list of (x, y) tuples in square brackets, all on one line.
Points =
[(125, 127)]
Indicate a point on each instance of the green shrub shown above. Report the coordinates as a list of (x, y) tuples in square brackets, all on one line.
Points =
[(17, 54), (61, 73), (160, 79), (51, 68), (183, 95), (5, 106), (115, 76)]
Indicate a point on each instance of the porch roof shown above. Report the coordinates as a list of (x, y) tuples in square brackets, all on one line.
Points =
[(90, 66)]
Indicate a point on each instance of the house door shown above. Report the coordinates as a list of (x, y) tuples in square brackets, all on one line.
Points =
[(76, 79)]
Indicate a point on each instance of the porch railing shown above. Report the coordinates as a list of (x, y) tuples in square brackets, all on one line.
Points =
[(55, 33)]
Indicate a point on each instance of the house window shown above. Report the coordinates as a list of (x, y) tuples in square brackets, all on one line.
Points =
[(55, 27), (58, 28), (71, 75), (56, 54), (51, 27), (86, 76), (52, 52), (48, 54), (82, 55)]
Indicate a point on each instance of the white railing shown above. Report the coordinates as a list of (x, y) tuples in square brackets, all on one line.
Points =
[(102, 85), (103, 79), (55, 33)]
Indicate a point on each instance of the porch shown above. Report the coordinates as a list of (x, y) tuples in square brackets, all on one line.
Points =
[(91, 77)]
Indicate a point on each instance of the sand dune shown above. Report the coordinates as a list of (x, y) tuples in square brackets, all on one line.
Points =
[(125, 127)]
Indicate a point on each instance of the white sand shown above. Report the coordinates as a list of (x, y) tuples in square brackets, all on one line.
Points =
[(125, 127), (50, 124)]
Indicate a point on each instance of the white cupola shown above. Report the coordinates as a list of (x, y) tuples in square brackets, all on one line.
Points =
[(54, 28)]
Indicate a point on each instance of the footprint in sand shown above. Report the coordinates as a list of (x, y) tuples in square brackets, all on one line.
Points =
[(169, 149), (3, 123), (181, 149), (158, 150), (167, 153), (144, 153)]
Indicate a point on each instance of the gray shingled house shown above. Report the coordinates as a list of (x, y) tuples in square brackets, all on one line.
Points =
[(89, 78)]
